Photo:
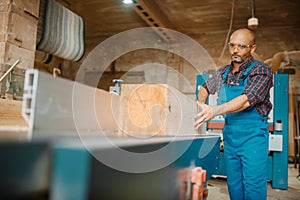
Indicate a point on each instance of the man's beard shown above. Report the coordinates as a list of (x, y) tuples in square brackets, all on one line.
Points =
[(235, 60)]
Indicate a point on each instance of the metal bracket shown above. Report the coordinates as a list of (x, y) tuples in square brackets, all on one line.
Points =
[(117, 88)]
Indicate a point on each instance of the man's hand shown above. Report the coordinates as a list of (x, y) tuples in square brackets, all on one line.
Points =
[(204, 115), (208, 112)]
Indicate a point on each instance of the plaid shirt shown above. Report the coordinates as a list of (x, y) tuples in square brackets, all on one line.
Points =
[(258, 87)]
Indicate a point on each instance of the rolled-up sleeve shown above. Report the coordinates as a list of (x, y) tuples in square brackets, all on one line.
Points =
[(259, 83), (213, 84), (210, 86)]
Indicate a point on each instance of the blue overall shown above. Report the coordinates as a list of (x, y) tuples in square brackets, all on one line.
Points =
[(246, 136)]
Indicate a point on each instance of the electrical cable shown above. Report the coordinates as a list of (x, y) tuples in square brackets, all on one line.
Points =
[(228, 33), (253, 8)]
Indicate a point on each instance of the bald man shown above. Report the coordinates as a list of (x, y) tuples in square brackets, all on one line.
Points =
[(243, 89)]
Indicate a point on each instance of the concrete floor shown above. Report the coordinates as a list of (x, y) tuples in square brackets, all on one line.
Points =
[(217, 188)]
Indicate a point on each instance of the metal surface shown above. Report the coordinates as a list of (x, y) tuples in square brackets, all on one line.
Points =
[(24, 170), (281, 109), (53, 106), (116, 89), (70, 168), (96, 180)]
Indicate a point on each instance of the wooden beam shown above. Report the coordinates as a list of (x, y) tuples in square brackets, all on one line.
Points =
[(149, 110), (10, 113), (154, 17), (12, 125)]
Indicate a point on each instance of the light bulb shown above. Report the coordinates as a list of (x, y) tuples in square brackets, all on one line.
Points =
[(127, 1)]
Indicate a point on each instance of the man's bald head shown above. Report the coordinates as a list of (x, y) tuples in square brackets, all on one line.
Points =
[(247, 34), (241, 45)]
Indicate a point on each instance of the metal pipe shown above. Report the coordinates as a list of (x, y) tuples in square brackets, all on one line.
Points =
[(280, 56), (9, 70)]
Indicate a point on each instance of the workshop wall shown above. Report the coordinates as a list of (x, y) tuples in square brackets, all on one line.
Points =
[(268, 44), (18, 32)]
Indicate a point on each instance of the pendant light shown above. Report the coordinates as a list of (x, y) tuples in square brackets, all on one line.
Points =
[(253, 21)]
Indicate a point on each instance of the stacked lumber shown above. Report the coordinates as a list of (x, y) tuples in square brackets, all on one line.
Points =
[(12, 124)]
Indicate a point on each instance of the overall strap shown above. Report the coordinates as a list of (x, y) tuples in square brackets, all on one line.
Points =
[(245, 74), (249, 68), (224, 77)]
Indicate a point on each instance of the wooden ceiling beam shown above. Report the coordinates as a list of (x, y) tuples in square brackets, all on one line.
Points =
[(154, 17)]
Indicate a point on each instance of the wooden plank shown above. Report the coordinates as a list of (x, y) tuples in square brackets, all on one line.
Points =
[(29, 7), (291, 143), (5, 5), (32, 7), (106, 108), (9, 53), (181, 112), (148, 110), (22, 31), (4, 16), (143, 110), (12, 124), (10, 113)]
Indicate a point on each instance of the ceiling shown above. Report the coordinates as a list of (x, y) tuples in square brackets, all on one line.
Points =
[(195, 18)]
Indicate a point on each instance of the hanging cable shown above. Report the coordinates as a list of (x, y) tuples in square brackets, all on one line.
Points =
[(253, 21), (228, 33), (253, 7)]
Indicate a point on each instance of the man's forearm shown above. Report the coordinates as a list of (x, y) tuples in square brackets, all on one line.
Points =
[(208, 112), (235, 105), (202, 95)]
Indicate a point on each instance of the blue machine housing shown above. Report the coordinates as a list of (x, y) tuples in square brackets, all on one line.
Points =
[(95, 180), (64, 168)]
